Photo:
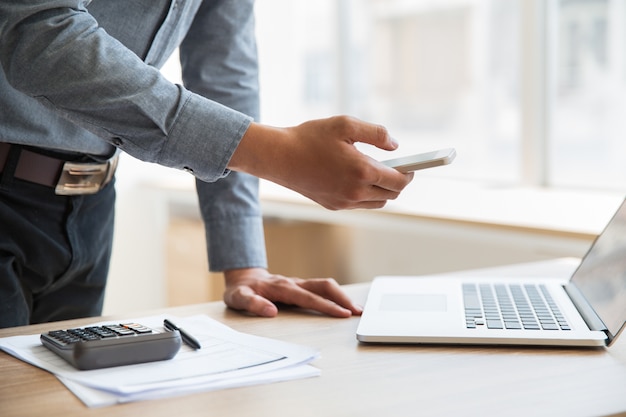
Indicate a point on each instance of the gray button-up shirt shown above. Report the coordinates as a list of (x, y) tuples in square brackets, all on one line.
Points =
[(81, 76)]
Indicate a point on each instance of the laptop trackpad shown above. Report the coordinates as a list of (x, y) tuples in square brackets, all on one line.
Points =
[(414, 302)]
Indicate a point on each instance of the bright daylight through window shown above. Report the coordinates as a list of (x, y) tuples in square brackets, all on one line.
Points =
[(528, 91)]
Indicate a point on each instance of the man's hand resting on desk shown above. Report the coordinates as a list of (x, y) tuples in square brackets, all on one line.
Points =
[(255, 291)]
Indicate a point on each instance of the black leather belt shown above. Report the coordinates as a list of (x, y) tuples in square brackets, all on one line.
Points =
[(66, 177)]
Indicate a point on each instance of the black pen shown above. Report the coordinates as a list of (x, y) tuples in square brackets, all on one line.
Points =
[(187, 338)]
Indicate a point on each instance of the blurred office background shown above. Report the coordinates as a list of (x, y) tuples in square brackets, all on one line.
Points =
[(531, 93)]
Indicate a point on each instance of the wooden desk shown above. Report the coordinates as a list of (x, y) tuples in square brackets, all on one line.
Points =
[(361, 380)]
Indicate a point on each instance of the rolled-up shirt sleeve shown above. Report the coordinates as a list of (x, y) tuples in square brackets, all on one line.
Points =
[(55, 52)]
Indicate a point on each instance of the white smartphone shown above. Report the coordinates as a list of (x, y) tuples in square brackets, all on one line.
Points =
[(423, 160)]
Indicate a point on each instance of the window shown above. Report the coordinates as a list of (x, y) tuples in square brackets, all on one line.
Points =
[(528, 91), (588, 134)]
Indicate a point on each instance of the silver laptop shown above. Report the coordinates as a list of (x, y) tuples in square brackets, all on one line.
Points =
[(589, 309)]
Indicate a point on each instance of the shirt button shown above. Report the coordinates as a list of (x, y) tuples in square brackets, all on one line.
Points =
[(187, 169)]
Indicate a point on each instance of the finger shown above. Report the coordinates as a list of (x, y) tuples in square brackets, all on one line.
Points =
[(376, 191), (244, 298), (366, 200), (392, 180), (296, 295), (331, 290)]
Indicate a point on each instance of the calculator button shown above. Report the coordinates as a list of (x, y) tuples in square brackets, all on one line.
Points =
[(102, 332), (119, 330), (63, 337), (137, 327)]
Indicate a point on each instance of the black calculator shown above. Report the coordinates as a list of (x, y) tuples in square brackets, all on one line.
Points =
[(112, 345)]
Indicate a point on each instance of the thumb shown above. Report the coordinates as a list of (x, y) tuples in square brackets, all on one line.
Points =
[(374, 134)]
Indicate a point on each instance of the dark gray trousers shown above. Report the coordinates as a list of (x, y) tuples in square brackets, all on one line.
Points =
[(54, 252)]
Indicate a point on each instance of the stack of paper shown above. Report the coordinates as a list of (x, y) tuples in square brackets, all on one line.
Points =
[(227, 359)]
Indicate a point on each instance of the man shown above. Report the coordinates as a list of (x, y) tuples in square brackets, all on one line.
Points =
[(79, 82)]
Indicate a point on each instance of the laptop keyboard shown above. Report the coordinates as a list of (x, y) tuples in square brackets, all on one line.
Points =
[(511, 306)]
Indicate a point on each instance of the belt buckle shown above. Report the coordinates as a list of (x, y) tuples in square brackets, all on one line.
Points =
[(85, 178)]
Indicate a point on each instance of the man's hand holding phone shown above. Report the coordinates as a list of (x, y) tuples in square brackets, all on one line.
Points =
[(318, 159)]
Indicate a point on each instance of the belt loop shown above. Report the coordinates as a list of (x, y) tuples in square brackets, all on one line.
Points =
[(8, 171)]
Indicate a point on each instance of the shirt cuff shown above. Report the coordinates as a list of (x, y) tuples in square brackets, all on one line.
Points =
[(201, 152)]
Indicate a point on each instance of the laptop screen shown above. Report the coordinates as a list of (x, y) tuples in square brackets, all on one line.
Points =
[(601, 276)]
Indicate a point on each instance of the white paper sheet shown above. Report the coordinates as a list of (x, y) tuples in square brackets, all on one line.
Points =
[(227, 359)]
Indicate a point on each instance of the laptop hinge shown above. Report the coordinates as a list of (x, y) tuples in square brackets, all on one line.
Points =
[(586, 311)]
